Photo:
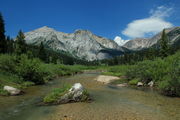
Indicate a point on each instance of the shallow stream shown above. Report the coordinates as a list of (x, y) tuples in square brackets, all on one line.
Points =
[(110, 103)]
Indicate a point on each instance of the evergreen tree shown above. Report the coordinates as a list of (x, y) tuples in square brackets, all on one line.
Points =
[(10, 43), (20, 44), (164, 45), (42, 53), (3, 44)]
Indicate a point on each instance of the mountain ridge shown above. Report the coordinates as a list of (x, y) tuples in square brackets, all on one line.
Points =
[(81, 43), (144, 43)]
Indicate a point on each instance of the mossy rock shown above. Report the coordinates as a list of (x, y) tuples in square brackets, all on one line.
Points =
[(67, 94)]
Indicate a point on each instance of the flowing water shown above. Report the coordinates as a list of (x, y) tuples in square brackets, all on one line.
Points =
[(109, 103)]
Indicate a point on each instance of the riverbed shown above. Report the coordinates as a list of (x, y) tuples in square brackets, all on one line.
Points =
[(109, 103)]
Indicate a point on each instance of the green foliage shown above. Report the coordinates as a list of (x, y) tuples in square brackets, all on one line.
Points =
[(7, 63), (20, 44), (170, 84), (42, 53), (3, 92), (165, 72), (133, 82), (62, 70), (10, 45), (85, 96), (26, 84), (112, 74), (54, 96), (164, 45), (30, 70), (3, 42), (117, 70)]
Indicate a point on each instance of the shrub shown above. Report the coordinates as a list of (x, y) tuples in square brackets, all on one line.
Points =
[(133, 82), (30, 70), (165, 72), (7, 63), (170, 85)]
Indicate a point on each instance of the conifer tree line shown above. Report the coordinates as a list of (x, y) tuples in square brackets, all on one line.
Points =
[(10, 46)]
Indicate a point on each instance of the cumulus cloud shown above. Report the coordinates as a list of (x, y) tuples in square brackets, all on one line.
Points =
[(151, 25), (120, 41)]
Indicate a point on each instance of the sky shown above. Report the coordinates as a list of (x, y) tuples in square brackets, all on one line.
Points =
[(125, 19)]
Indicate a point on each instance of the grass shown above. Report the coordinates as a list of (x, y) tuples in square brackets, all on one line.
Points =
[(54, 96), (116, 70)]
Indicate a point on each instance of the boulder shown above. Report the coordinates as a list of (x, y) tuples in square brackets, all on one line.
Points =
[(139, 84), (151, 84), (12, 90), (75, 94)]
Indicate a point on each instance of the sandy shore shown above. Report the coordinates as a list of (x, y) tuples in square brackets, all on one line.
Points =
[(106, 79)]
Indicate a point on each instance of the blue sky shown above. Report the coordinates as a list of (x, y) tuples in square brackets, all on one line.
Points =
[(109, 18)]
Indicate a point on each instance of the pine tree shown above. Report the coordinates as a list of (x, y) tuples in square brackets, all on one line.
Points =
[(20, 44), (10, 43), (3, 44), (164, 45), (42, 53)]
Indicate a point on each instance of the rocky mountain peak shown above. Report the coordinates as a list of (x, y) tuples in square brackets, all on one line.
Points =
[(143, 43), (44, 29), (80, 31), (82, 43)]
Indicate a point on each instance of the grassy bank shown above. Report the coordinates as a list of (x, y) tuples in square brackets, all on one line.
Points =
[(22, 72), (165, 73)]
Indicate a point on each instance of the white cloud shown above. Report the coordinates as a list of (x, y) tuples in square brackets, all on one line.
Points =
[(151, 25), (120, 41)]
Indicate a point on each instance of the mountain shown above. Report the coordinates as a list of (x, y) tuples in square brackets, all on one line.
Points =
[(143, 43), (82, 43), (120, 41)]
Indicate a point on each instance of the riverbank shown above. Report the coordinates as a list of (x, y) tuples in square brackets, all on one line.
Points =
[(21, 72), (162, 74)]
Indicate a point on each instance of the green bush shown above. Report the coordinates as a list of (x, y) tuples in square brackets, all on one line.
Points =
[(165, 72), (7, 63), (133, 82), (30, 70), (170, 84)]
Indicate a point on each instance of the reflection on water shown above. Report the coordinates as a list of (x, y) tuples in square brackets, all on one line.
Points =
[(110, 103)]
